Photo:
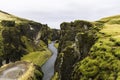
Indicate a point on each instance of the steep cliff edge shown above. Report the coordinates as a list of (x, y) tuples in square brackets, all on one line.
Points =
[(23, 40), (86, 50), (103, 61), (75, 42), (89, 50)]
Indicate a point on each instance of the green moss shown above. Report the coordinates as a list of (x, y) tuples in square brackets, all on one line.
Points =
[(56, 76), (89, 68), (38, 57), (56, 45), (27, 43), (117, 52), (104, 57), (49, 41), (38, 74)]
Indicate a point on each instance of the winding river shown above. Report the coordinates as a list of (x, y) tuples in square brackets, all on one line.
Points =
[(48, 67)]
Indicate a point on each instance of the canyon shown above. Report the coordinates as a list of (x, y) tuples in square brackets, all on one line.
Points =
[(79, 50)]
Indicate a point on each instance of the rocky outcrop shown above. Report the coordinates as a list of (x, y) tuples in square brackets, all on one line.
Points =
[(19, 39), (21, 71), (76, 39), (89, 51), (8, 23), (86, 50)]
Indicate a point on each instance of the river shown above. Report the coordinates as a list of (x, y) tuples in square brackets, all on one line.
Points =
[(48, 67)]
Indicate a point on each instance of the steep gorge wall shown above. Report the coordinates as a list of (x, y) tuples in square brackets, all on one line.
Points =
[(22, 38), (89, 51), (18, 40), (76, 39), (103, 61)]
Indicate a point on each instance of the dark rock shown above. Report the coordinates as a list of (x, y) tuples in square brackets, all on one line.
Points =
[(8, 23)]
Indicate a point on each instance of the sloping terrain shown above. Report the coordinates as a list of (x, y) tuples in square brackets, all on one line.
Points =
[(98, 49), (23, 40), (86, 50)]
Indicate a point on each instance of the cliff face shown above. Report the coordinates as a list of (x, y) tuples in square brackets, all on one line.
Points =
[(86, 51), (23, 40), (89, 50), (76, 39)]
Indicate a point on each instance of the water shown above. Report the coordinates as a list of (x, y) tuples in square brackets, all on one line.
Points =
[(48, 67)]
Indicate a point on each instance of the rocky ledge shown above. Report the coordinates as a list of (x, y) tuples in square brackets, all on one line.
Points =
[(21, 71)]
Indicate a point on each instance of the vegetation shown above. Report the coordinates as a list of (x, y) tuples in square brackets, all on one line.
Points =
[(56, 45), (103, 61), (55, 77), (38, 57), (87, 50), (24, 40)]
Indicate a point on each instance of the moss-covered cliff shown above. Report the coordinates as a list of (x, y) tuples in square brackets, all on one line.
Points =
[(86, 50), (76, 39), (89, 50), (20, 37), (23, 40), (103, 61)]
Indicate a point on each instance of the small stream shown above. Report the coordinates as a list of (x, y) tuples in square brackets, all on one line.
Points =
[(48, 67)]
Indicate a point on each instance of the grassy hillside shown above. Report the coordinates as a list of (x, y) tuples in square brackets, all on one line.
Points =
[(7, 16), (38, 57), (104, 56), (24, 40)]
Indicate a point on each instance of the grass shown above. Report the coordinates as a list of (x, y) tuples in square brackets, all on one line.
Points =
[(38, 57), (113, 30), (56, 45), (6, 16), (49, 41), (38, 54), (28, 44), (104, 59), (55, 77), (111, 18)]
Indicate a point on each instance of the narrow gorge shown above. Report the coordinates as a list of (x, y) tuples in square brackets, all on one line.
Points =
[(79, 50)]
